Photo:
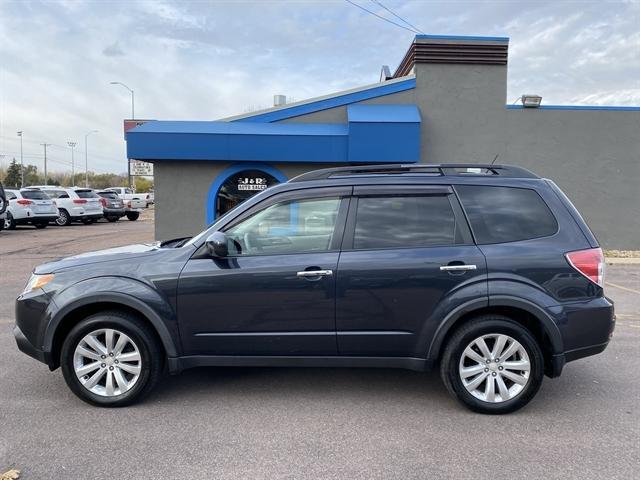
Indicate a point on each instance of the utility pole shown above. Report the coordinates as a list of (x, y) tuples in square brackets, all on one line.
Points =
[(72, 145), (45, 145), (21, 162)]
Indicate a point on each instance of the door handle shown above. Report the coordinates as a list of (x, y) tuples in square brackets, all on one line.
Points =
[(457, 268), (314, 273)]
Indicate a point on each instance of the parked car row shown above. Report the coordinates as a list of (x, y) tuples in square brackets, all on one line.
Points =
[(43, 204)]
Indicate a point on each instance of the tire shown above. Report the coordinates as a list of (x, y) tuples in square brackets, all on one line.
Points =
[(112, 219), (489, 328), (87, 221), (133, 216), (64, 219), (142, 342), (9, 222), (41, 225)]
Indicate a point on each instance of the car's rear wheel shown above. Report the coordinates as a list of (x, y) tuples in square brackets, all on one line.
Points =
[(112, 219), (41, 225), (492, 364), (63, 219), (9, 222), (111, 359), (133, 216), (87, 221)]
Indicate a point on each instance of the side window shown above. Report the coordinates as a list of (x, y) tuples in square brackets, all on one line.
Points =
[(404, 221), (11, 196), (295, 226), (506, 214)]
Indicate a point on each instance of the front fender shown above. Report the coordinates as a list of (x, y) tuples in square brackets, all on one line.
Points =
[(115, 290)]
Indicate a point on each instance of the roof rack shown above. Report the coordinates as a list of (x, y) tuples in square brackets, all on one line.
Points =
[(443, 169)]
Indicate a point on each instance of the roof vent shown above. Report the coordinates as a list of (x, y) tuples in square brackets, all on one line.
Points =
[(279, 100)]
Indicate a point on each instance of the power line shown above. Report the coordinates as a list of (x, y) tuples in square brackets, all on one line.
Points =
[(381, 17), (397, 16)]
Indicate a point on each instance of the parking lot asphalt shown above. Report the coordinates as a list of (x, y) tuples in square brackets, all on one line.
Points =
[(309, 423)]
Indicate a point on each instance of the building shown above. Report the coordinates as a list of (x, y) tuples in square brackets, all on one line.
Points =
[(446, 103)]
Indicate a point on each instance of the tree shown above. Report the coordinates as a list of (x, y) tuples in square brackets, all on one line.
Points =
[(12, 179), (31, 176), (143, 184)]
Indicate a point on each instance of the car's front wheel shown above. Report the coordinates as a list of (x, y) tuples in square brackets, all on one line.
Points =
[(111, 359), (492, 364)]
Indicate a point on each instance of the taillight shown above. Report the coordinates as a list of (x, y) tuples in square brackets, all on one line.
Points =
[(24, 202), (589, 263), (129, 204), (80, 201), (103, 201)]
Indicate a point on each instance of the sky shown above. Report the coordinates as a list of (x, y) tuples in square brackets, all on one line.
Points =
[(204, 60)]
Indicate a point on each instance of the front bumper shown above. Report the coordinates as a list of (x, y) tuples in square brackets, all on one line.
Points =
[(25, 346)]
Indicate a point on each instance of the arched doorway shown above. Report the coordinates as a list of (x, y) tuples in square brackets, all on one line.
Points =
[(238, 183)]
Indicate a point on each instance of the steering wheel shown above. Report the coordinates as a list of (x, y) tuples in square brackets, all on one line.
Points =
[(248, 242)]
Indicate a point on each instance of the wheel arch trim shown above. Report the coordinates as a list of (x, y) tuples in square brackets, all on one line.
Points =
[(451, 320), (116, 298)]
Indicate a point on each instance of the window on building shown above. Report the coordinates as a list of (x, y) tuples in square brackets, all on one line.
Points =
[(404, 221), (241, 186), (506, 214), (296, 226)]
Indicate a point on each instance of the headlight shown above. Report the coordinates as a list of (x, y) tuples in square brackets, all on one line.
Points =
[(37, 281)]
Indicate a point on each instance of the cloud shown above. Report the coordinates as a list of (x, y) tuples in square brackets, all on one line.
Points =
[(208, 60), (113, 50)]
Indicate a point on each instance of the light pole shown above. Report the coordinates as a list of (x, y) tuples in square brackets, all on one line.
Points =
[(21, 162), (86, 159), (45, 145), (72, 145), (133, 116)]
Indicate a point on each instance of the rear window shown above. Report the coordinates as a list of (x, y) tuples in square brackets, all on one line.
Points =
[(111, 195), (404, 221), (506, 214), (56, 193), (34, 195), (86, 194)]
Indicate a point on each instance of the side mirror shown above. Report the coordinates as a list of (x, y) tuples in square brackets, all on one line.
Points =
[(216, 245)]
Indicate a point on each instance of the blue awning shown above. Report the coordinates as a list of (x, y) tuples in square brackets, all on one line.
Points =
[(374, 133)]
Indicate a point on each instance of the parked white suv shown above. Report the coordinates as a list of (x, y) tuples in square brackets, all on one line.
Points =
[(29, 205), (75, 204)]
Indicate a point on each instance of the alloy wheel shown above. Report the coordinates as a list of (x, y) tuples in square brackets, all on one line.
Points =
[(494, 368), (107, 362)]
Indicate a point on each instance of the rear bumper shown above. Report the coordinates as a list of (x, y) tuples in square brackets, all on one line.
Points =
[(94, 216), (586, 329), (35, 219), (114, 212)]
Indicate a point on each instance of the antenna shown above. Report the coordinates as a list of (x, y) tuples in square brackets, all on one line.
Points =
[(495, 158)]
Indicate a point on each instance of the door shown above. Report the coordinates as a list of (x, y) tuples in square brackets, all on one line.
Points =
[(275, 292), (407, 253)]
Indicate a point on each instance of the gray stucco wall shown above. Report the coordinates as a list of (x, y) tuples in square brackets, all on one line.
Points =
[(593, 155)]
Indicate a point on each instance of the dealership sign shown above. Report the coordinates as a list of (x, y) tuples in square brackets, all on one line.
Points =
[(141, 169), (253, 184)]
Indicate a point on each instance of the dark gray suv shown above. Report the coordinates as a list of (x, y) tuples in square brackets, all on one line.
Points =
[(486, 271)]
